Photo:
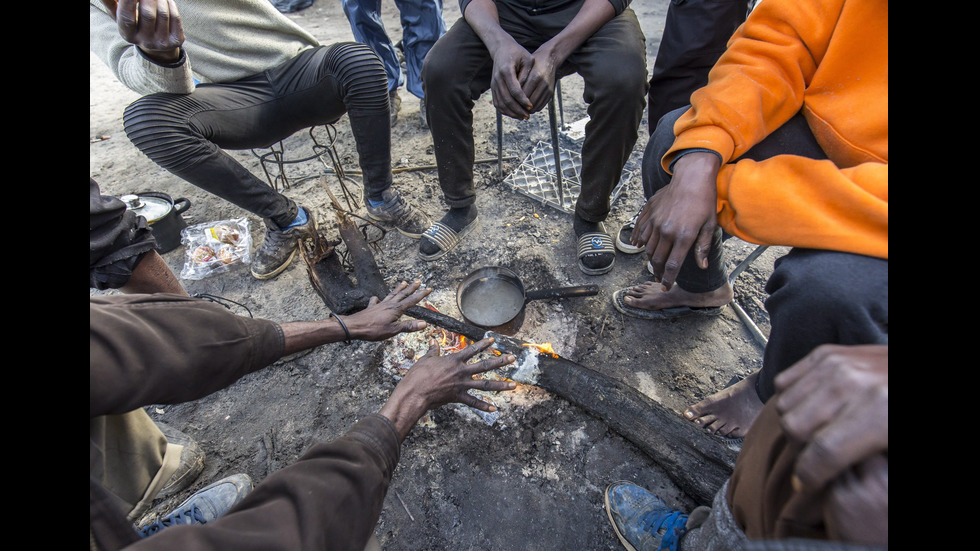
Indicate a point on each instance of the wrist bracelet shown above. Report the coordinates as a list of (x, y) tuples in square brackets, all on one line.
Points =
[(346, 332)]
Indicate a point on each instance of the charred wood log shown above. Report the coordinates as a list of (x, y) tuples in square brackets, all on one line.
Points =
[(698, 462)]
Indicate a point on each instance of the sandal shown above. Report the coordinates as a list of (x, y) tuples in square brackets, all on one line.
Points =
[(663, 313), (445, 238), (593, 243)]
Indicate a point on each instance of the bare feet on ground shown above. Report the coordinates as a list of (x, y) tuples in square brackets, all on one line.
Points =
[(651, 296), (729, 412)]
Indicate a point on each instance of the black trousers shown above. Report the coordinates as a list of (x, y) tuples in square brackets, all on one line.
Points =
[(815, 296), (696, 33), (185, 133), (612, 62)]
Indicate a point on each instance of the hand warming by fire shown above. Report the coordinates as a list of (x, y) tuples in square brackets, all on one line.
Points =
[(437, 379)]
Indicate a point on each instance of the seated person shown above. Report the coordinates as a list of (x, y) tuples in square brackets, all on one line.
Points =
[(517, 49), (242, 75), (150, 349), (812, 474), (766, 153)]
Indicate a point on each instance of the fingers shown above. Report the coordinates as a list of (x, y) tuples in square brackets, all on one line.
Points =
[(488, 364), (126, 19), (859, 431), (474, 349), (703, 245), (433, 350), (476, 403), (411, 326), (176, 28)]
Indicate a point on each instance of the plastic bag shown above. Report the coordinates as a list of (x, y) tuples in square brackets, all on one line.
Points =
[(215, 247)]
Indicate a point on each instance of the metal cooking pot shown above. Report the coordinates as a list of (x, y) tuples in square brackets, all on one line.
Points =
[(494, 298), (162, 213)]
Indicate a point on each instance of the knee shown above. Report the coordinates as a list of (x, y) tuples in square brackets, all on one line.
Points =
[(360, 74), (846, 289), (437, 71), (159, 126)]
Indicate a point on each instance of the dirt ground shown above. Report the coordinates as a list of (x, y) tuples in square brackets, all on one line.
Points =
[(534, 477)]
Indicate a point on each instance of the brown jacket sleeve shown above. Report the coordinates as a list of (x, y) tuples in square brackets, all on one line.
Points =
[(168, 349), (330, 498)]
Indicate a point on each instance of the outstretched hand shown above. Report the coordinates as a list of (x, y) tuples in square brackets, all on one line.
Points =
[(835, 400), (381, 319), (436, 380), (153, 26)]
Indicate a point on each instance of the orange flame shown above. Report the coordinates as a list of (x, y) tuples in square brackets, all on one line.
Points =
[(543, 348)]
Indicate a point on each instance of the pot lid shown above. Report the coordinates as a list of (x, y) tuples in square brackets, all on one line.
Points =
[(149, 207)]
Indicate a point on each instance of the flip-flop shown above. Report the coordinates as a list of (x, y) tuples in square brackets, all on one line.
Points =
[(662, 314), (595, 242), (445, 237)]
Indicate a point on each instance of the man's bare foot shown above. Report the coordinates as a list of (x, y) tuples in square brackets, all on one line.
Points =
[(651, 296), (728, 412)]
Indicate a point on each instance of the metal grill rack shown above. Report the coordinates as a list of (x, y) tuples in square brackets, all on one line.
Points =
[(535, 178)]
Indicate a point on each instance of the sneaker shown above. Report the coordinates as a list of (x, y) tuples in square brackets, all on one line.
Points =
[(642, 520), (422, 116), (206, 505), (625, 233), (395, 103), (279, 247), (191, 461), (395, 211)]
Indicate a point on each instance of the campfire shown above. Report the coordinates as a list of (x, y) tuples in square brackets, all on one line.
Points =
[(402, 351)]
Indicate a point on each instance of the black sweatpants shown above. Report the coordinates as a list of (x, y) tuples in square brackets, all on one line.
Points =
[(185, 133)]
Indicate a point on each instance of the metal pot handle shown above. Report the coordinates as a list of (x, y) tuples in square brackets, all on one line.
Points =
[(563, 292), (186, 205)]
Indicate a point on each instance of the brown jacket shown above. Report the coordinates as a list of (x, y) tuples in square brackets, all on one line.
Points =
[(160, 349)]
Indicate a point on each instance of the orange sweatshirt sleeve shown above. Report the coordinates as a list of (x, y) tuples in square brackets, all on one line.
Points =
[(842, 209), (829, 59)]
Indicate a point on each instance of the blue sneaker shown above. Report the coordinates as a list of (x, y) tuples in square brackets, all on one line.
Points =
[(205, 505), (642, 520)]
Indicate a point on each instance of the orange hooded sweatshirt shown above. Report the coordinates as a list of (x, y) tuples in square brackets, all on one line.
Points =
[(830, 59)]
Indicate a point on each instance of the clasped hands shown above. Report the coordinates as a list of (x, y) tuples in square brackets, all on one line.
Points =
[(522, 82)]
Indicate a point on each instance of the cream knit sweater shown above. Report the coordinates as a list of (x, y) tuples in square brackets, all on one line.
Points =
[(225, 40)]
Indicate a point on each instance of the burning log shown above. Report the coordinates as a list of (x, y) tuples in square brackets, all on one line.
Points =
[(698, 462)]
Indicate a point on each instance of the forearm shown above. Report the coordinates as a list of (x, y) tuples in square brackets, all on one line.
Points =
[(403, 409), (302, 335), (590, 18), (482, 17)]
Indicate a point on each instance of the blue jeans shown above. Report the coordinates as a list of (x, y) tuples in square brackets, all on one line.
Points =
[(422, 25)]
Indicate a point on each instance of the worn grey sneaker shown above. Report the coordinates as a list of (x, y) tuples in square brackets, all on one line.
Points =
[(279, 247), (206, 505), (397, 212), (191, 461)]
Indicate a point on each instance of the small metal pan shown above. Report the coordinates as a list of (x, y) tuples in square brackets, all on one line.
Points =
[(494, 298)]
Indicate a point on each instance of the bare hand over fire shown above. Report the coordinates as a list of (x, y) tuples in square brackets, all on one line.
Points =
[(381, 319), (436, 380)]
